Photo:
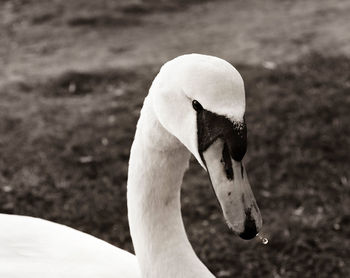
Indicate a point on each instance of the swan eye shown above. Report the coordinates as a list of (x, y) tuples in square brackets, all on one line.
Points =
[(197, 106)]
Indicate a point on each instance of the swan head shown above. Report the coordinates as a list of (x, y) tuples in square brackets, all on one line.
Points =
[(201, 101)]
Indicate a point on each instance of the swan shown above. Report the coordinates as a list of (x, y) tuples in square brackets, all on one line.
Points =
[(196, 104)]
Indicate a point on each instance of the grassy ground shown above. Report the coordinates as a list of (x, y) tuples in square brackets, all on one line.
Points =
[(64, 158), (42, 38), (73, 85)]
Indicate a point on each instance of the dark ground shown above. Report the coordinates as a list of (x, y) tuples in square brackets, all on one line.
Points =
[(65, 142)]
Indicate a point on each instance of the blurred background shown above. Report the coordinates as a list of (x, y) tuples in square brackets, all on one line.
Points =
[(73, 77)]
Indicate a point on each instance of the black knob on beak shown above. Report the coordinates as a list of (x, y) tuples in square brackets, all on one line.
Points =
[(236, 139)]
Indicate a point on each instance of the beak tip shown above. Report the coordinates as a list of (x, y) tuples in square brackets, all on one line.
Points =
[(248, 234), (250, 229)]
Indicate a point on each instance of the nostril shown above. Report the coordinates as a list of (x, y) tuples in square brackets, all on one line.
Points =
[(250, 230)]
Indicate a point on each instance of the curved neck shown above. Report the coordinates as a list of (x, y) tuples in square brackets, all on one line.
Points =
[(156, 168)]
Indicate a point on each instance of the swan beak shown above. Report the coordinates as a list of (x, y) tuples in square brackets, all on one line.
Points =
[(232, 188), (222, 146)]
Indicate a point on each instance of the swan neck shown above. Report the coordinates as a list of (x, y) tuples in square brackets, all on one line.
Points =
[(157, 164)]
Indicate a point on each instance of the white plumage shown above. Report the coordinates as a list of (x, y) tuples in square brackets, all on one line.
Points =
[(165, 137), (33, 247)]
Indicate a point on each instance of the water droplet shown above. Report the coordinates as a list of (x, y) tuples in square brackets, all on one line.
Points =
[(264, 240)]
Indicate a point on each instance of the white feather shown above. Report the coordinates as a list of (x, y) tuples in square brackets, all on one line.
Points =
[(166, 135), (33, 247)]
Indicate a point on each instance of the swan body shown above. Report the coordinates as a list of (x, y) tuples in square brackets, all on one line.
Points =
[(195, 105), (33, 247)]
